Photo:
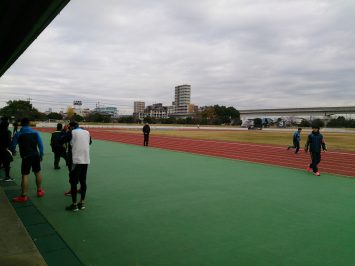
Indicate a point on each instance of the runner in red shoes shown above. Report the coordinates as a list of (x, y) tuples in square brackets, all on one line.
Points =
[(31, 151)]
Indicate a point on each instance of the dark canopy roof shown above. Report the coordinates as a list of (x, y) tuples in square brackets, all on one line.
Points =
[(21, 21)]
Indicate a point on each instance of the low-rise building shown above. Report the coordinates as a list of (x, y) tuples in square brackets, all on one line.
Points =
[(156, 110), (112, 111)]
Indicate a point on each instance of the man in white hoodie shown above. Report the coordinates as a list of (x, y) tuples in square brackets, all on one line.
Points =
[(79, 140)]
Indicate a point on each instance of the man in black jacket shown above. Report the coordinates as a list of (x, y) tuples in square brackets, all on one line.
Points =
[(58, 148), (5, 154), (315, 143), (146, 131)]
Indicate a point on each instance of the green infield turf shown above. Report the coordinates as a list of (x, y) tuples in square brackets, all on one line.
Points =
[(155, 207)]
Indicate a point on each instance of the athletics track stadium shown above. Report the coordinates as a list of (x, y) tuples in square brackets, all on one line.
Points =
[(184, 202), (190, 202)]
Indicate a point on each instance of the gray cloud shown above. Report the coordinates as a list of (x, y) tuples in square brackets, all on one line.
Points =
[(249, 54)]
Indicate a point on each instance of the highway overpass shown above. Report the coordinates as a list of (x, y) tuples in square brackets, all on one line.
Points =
[(324, 112)]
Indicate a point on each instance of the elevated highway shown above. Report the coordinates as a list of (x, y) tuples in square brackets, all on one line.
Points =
[(325, 112)]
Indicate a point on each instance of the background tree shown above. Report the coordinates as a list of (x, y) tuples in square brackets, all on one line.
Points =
[(127, 119), (78, 118), (170, 120), (97, 117), (305, 123), (70, 113), (208, 113), (258, 122), (20, 109), (56, 116), (318, 122), (218, 115), (338, 122), (149, 120)]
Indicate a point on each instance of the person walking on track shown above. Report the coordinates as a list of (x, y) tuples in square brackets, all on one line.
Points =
[(296, 140), (315, 142)]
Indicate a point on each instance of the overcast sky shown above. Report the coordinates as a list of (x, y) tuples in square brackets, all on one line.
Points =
[(242, 53)]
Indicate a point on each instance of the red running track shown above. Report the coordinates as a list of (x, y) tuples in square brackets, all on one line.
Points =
[(342, 163)]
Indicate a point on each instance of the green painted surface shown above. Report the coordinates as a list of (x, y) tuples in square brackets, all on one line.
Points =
[(154, 207)]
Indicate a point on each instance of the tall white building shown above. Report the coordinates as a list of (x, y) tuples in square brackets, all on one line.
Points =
[(182, 99), (139, 107)]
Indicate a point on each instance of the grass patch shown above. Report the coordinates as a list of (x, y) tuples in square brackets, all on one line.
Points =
[(335, 141)]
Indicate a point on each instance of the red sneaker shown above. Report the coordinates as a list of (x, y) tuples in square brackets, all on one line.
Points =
[(40, 193), (309, 169), (20, 199), (317, 174)]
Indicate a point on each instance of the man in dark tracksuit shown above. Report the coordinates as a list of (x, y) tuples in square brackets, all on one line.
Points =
[(146, 131), (29, 142), (296, 140), (57, 148), (315, 143)]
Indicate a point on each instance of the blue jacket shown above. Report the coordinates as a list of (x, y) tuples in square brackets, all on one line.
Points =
[(315, 142), (28, 141), (296, 136)]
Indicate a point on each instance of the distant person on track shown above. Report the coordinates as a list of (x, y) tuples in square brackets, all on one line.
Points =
[(315, 142), (31, 151), (5, 154), (296, 140), (58, 148), (79, 159), (146, 132)]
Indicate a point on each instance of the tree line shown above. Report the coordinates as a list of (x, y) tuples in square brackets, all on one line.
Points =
[(209, 115)]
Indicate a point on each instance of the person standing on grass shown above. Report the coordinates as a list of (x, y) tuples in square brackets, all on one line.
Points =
[(296, 140), (79, 140), (146, 132), (5, 154), (57, 148), (315, 143), (31, 152)]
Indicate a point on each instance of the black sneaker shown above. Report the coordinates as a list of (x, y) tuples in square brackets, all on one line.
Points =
[(72, 207), (9, 179), (81, 206)]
